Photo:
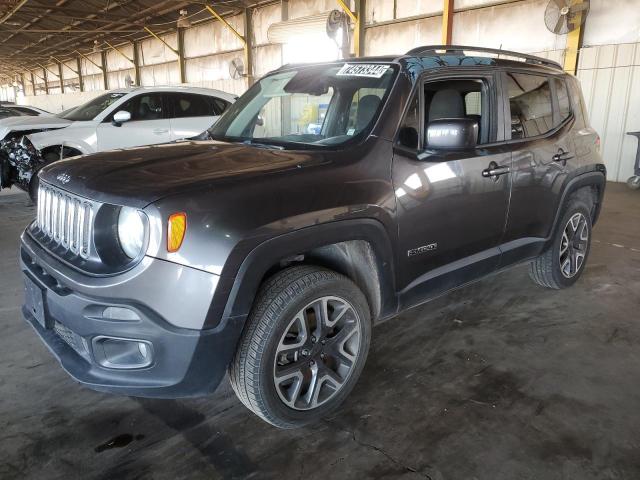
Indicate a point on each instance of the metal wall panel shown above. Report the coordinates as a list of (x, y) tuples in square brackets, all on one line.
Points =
[(502, 27), (115, 61), (612, 22), (261, 19), (399, 38), (154, 52), (610, 78), (267, 58), (213, 72), (160, 74), (212, 37)]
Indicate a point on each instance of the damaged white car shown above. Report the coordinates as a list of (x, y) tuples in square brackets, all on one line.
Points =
[(118, 119)]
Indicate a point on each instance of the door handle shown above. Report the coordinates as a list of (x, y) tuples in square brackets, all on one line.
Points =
[(494, 171), (562, 156), (158, 131)]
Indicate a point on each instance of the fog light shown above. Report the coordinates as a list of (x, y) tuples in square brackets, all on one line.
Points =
[(122, 353), (120, 313)]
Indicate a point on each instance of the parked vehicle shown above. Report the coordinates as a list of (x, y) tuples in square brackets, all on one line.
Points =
[(271, 249), (118, 119), (29, 111), (9, 112)]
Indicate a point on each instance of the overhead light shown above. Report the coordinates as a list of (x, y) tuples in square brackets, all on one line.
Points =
[(96, 47), (183, 20)]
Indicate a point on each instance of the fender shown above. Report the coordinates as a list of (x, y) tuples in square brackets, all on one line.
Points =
[(234, 295), (596, 178), (82, 143)]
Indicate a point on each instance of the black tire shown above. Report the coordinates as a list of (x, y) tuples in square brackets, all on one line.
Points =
[(546, 270), (280, 299)]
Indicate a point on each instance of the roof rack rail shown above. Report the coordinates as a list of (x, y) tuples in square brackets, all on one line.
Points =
[(532, 59)]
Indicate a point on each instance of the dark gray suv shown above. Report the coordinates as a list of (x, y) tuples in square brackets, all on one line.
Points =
[(328, 198)]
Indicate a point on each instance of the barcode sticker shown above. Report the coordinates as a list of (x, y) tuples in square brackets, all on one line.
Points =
[(362, 70)]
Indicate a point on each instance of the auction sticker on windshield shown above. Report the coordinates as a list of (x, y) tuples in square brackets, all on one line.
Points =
[(362, 70)]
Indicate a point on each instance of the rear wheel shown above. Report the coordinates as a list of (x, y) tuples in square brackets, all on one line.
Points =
[(564, 261), (303, 348)]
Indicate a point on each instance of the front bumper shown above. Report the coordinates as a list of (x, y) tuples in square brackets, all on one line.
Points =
[(184, 361)]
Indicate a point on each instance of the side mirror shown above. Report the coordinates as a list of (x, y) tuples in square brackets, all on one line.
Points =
[(452, 133), (120, 117), (408, 137), (259, 121)]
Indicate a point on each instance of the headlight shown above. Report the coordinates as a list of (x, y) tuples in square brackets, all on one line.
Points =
[(130, 231)]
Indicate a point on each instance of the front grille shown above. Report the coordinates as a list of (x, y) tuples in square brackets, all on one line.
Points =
[(65, 219)]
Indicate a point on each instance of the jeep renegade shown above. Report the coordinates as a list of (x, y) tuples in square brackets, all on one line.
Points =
[(328, 198)]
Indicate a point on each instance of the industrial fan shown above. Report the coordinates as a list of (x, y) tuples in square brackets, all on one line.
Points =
[(563, 16)]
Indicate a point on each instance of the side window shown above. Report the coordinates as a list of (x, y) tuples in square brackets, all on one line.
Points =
[(564, 107), (191, 105), (531, 105), (143, 107), (218, 105), (459, 99)]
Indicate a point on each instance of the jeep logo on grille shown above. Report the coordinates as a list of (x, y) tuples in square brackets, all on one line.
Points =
[(64, 178)]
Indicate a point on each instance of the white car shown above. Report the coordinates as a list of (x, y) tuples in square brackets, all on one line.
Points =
[(122, 118)]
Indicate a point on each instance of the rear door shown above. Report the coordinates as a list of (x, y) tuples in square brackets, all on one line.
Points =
[(149, 124), (192, 114), (451, 216), (543, 151)]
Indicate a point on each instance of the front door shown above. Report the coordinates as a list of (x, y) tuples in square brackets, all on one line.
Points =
[(451, 213), (149, 124)]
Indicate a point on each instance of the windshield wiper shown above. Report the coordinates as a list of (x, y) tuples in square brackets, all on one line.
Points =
[(256, 143)]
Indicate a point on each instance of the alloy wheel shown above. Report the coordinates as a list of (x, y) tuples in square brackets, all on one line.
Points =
[(317, 353), (574, 244)]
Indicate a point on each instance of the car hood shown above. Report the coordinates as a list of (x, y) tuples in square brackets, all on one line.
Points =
[(140, 176), (18, 124)]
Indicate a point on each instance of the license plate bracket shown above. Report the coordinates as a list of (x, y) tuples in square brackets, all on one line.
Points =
[(34, 301)]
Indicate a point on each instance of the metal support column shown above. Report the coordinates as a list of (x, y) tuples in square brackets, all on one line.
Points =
[(447, 21), (357, 27), (136, 64), (181, 64), (80, 81), (248, 38), (105, 77), (574, 42), (46, 81), (61, 77)]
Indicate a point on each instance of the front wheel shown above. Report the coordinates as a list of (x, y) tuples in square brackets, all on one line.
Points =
[(564, 261), (303, 348)]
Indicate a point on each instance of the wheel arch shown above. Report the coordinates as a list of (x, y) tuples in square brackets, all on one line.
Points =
[(593, 183), (354, 248)]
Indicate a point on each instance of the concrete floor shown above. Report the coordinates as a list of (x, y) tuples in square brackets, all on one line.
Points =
[(499, 380)]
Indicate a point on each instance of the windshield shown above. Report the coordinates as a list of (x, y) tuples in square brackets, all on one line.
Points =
[(314, 106), (92, 108)]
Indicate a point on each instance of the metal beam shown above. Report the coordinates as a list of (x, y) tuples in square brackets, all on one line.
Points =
[(11, 12), (243, 40), (447, 21), (89, 60), (136, 64), (181, 64), (61, 77), (165, 43), (119, 51), (46, 81), (357, 27), (574, 43), (105, 76), (80, 80), (248, 37)]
